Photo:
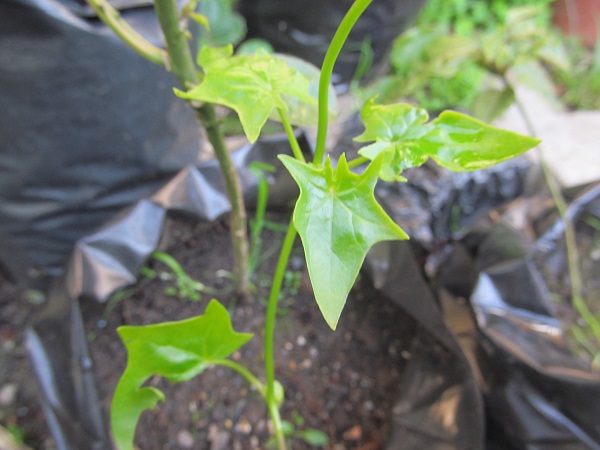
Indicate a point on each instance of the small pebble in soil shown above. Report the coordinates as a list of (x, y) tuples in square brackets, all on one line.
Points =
[(243, 426), (353, 434), (9, 345), (8, 394), (306, 364), (185, 439), (219, 439)]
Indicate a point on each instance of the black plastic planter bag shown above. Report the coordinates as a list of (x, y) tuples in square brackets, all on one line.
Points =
[(538, 395), (87, 128), (440, 405)]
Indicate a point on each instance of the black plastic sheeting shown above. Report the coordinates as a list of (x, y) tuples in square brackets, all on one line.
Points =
[(538, 395), (87, 129)]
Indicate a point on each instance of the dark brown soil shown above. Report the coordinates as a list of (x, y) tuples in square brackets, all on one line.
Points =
[(20, 411), (343, 383)]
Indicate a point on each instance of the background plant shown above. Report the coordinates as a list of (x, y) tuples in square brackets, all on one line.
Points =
[(336, 215), (579, 84), (465, 17), (439, 67)]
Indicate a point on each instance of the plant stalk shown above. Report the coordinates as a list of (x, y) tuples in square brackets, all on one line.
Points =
[(183, 67), (284, 256), (339, 38), (239, 220)]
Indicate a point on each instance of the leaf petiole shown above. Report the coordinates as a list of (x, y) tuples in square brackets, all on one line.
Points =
[(290, 135), (359, 161), (249, 376)]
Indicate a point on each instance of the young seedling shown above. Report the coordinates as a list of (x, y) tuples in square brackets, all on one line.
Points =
[(336, 215), (185, 286)]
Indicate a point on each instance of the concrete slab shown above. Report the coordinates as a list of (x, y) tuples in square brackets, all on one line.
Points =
[(570, 139)]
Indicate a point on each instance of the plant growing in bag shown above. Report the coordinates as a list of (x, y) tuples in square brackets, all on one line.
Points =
[(336, 215)]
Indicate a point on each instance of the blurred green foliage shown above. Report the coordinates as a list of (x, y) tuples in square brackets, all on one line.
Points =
[(465, 17), (439, 68)]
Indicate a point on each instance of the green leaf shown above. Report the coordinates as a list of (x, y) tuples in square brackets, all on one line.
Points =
[(175, 350), (226, 25), (338, 220), (251, 46), (454, 140), (313, 437), (252, 85), (461, 143), (396, 130)]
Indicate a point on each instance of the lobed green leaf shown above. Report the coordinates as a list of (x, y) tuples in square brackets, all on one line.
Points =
[(228, 26), (338, 220), (461, 143), (454, 140), (175, 350), (252, 85), (396, 130)]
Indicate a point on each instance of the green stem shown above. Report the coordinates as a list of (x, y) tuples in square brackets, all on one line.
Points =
[(249, 376), (296, 150), (171, 263), (180, 56), (111, 17), (342, 33), (569, 232), (284, 256), (357, 162), (258, 223), (183, 67), (239, 221)]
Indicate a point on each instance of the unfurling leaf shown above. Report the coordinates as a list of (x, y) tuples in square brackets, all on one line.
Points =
[(456, 141), (229, 26), (175, 350), (396, 130), (252, 85), (339, 220)]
